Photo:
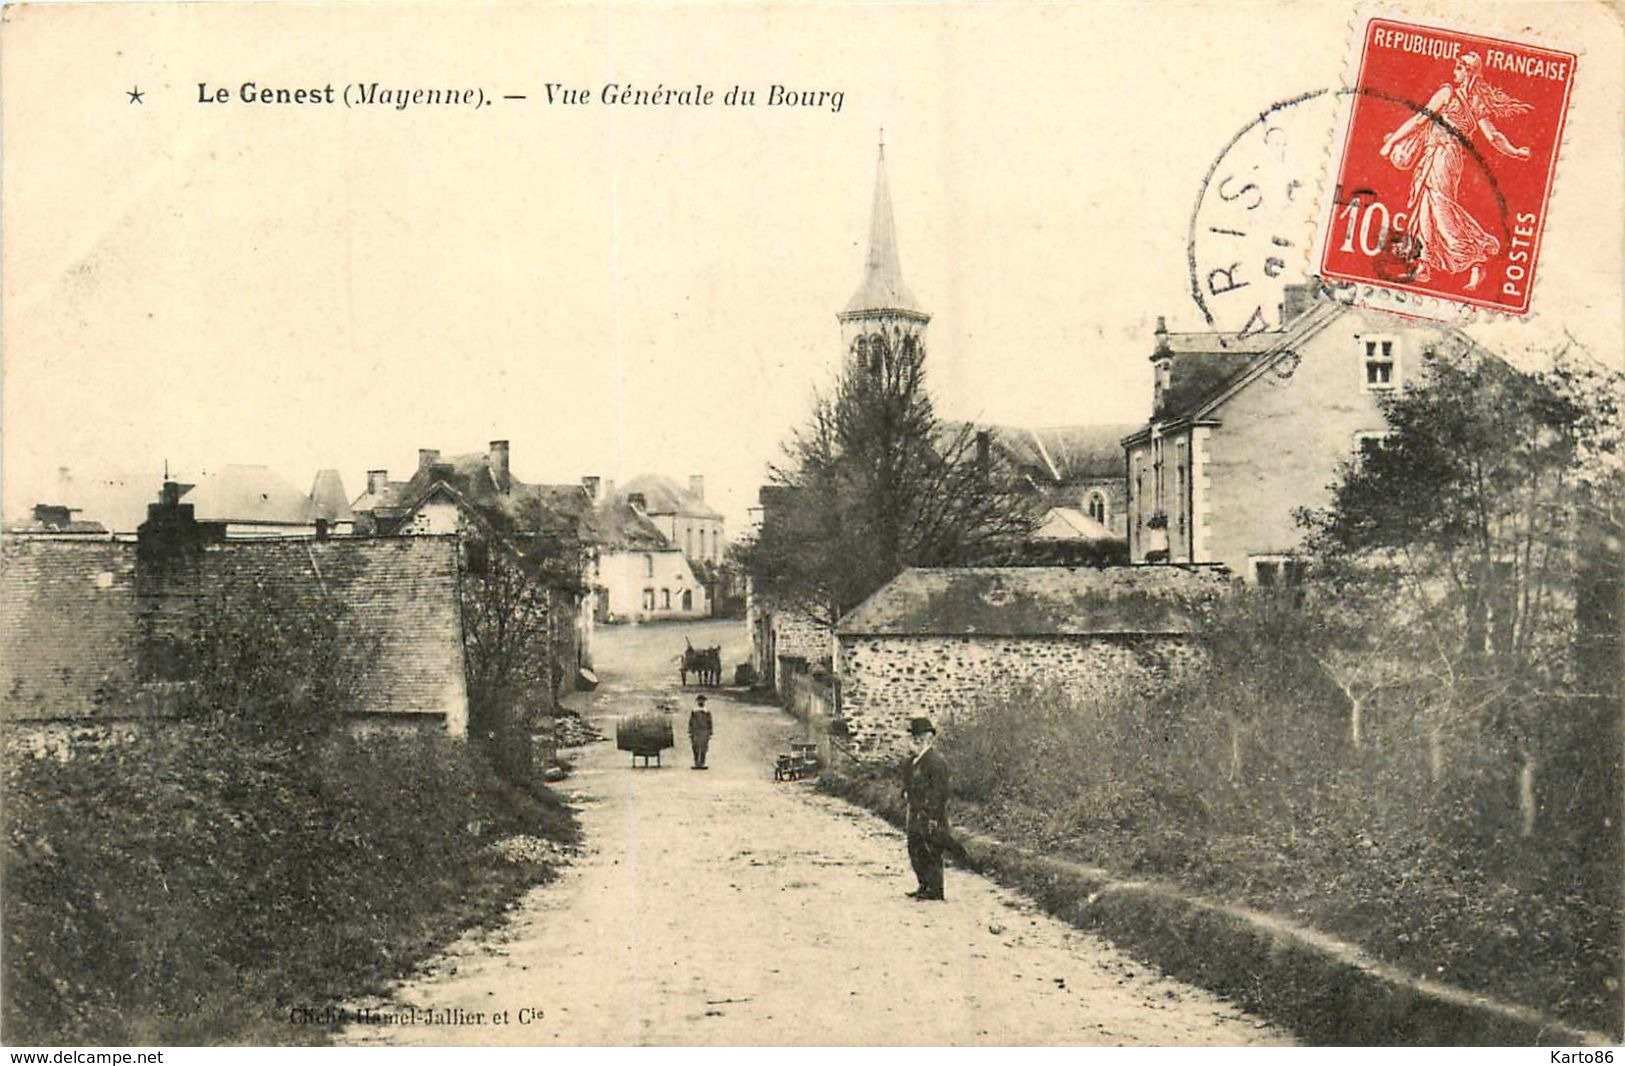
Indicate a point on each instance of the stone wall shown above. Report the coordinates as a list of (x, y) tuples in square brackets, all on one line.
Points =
[(886, 680), (797, 636)]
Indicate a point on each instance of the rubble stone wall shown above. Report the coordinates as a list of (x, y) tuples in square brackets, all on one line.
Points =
[(887, 680)]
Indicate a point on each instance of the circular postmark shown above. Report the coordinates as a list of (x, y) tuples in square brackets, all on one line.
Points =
[(1253, 226), (1255, 229)]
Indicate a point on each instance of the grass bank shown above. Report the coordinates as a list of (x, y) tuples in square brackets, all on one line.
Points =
[(1326, 990), (189, 888)]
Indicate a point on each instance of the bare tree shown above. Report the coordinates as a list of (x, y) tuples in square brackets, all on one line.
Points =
[(875, 483)]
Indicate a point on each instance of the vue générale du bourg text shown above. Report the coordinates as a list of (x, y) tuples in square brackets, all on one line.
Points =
[(617, 94)]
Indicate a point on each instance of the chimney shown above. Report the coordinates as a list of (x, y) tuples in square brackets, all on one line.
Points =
[(696, 486), (636, 501), (427, 457), (498, 461), (376, 480), (1297, 301), (53, 516), (984, 448), (593, 484), (168, 563), (1162, 366)]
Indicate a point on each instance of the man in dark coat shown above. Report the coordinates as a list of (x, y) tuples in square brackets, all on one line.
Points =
[(699, 732), (925, 788)]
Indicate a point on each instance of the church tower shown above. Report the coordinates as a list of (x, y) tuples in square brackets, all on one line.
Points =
[(882, 307)]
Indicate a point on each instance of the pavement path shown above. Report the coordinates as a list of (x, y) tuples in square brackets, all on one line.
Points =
[(722, 908)]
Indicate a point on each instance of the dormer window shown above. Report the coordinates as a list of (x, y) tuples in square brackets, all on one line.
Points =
[(1381, 363)]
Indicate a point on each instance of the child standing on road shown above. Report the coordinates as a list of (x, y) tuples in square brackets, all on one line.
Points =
[(699, 732)]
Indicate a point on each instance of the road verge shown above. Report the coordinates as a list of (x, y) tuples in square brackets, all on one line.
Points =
[(1326, 990)]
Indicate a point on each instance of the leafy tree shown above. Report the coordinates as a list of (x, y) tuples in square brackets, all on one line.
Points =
[(1452, 552), (876, 483)]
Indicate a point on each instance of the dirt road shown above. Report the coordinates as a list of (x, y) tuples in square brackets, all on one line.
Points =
[(720, 907)]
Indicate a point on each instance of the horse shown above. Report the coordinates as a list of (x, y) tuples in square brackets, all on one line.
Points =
[(704, 663)]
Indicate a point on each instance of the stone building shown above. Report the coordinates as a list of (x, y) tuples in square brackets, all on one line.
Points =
[(691, 525), (638, 575), (478, 490), (942, 642), (93, 634), (1244, 430)]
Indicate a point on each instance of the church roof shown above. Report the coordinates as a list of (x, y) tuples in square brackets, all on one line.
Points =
[(1066, 454), (882, 288)]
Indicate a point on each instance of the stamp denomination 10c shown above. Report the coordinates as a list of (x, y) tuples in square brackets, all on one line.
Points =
[(1446, 169)]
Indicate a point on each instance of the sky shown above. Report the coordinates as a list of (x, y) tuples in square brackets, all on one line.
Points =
[(621, 289)]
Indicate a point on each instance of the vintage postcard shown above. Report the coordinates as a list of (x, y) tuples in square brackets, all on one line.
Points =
[(744, 524)]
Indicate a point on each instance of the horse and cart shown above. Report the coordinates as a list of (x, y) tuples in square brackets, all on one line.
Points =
[(704, 663)]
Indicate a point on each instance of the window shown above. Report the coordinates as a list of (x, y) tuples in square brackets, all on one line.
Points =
[(1367, 442), (648, 599), (1283, 573), (1179, 485), (649, 567), (665, 599), (688, 540), (688, 599), (1381, 363), (1097, 506)]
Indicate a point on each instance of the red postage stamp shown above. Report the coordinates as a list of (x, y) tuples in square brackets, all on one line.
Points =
[(1446, 170)]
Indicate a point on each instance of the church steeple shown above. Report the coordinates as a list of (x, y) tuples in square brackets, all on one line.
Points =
[(882, 305)]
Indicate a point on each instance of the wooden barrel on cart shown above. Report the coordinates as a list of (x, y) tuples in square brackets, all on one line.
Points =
[(643, 734)]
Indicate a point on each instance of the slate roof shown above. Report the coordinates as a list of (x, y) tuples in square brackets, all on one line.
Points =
[(472, 477), (69, 629), (401, 593), (1206, 365), (1066, 454), (118, 501), (237, 493), (616, 526), (1069, 523), (248, 494), (882, 287), (328, 499), (55, 524), (1034, 601), (662, 495)]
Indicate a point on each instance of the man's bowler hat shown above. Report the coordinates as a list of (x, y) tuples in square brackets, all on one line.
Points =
[(700, 700), (918, 727)]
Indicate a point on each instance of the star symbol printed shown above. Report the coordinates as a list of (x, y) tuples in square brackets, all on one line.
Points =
[(135, 95)]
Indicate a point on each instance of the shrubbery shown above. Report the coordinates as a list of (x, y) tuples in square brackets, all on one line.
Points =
[(1244, 783), (195, 885)]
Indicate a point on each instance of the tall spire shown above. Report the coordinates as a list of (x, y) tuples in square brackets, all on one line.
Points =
[(882, 288)]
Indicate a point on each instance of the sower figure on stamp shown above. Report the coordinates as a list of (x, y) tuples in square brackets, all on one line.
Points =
[(925, 788), (699, 732), (1436, 141)]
